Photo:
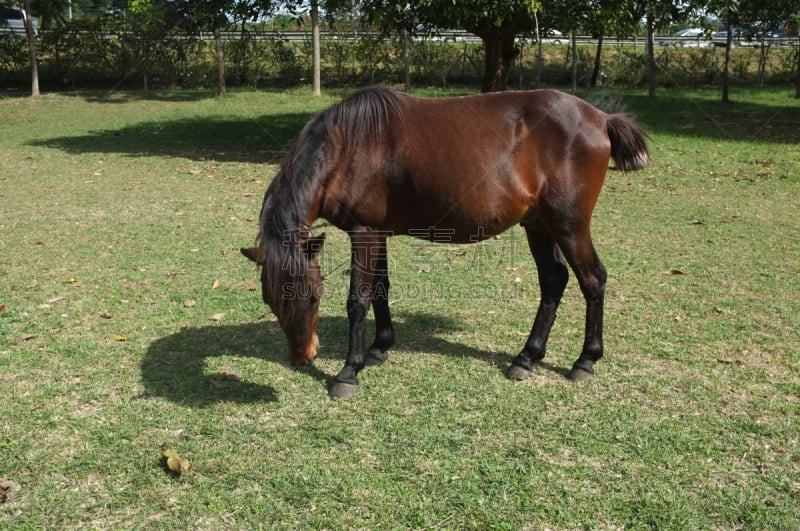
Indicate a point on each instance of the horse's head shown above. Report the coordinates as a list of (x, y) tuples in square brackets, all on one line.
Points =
[(291, 284)]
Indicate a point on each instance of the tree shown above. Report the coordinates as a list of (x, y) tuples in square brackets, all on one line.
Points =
[(610, 17), (216, 15), (31, 49), (496, 22), (27, 7), (659, 15), (728, 12)]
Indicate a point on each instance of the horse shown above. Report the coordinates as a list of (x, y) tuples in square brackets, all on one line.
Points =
[(382, 162)]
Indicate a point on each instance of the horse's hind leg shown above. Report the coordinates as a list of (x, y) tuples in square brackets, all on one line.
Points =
[(582, 257), (553, 276), (384, 331)]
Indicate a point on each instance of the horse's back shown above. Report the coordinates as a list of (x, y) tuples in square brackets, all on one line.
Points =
[(473, 166)]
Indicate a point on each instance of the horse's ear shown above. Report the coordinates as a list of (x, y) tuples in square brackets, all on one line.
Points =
[(313, 246), (256, 254)]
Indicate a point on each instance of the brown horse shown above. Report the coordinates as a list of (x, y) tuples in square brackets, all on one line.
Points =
[(383, 163)]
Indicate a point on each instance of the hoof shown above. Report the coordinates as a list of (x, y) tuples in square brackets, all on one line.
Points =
[(342, 390), (579, 375), (515, 372), (376, 357)]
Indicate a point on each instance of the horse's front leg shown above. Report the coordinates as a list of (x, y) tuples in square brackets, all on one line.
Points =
[(364, 251)]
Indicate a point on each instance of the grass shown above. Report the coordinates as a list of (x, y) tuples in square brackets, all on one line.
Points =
[(118, 208)]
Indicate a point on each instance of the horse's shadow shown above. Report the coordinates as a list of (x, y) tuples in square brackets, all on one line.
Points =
[(174, 366)]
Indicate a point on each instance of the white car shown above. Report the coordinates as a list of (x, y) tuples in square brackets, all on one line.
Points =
[(689, 37), (12, 20)]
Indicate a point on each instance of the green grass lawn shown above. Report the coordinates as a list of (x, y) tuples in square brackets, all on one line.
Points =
[(129, 324)]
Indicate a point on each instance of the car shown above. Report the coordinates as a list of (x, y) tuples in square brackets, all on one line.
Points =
[(689, 37), (739, 37), (12, 20)]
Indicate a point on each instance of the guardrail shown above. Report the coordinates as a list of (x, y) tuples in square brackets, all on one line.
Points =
[(454, 36)]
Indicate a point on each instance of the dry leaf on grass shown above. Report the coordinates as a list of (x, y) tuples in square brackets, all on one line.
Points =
[(673, 272), (218, 316), (189, 303), (216, 284), (5, 490), (222, 379), (118, 337), (174, 462)]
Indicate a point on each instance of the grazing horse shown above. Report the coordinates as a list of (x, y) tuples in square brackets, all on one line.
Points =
[(383, 163)]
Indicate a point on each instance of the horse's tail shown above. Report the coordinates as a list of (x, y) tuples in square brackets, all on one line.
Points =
[(628, 142)]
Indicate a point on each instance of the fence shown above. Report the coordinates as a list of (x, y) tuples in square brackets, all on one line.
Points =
[(98, 59)]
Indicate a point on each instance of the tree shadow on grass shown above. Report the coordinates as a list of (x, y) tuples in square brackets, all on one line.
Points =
[(692, 116), (174, 367), (260, 139)]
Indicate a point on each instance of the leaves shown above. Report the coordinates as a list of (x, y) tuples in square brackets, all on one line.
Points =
[(5, 490), (173, 461), (218, 316)]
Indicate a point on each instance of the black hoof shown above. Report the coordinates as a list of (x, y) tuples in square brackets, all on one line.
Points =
[(342, 390), (376, 357), (515, 372), (580, 375)]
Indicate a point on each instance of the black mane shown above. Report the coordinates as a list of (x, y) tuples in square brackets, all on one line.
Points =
[(353, 123)]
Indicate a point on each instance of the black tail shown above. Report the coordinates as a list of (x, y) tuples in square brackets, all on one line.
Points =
[(628, 142)]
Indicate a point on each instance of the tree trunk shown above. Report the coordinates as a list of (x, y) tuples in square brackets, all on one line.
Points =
[(220, 63), (797, 85), (727, 66), (406, 61), (500, 55), (574, 44), (32, 50), (597, 57), (651, 58), (316, 83)]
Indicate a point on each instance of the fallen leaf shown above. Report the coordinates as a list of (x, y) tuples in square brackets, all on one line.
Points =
[(5, 490), (28, 337), (252, 287), (673, 272), (106, 315), (56, 299), (222, 379), (218, 316), (3, 308), (174, 462), (70, 281), (216, 284), (118, 337), (189, 303)]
